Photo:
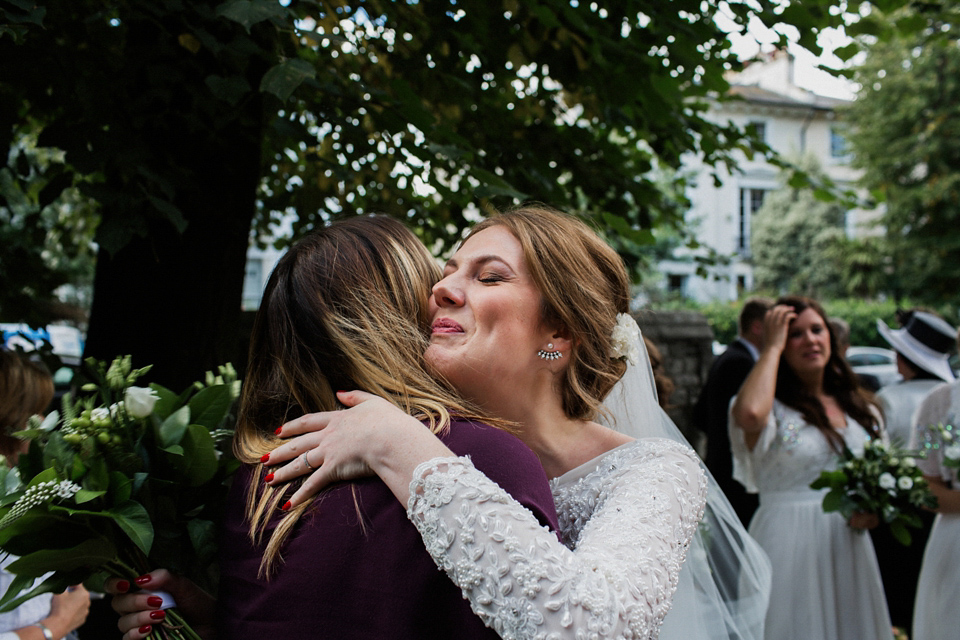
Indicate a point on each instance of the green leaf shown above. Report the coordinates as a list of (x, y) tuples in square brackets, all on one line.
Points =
[(85, 495), (200, 456), (250, 12), (833, 501), (121, 487), (231, 89), (171, 211), (90, 554), (57, 583), (135, 522), (282, 79), (900, 532), (166, 402), (173, 428), (210, 406), (493, 185)]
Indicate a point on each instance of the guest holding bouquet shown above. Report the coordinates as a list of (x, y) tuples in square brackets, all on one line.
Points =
[(26, 389), (797, 411), (936, 613)]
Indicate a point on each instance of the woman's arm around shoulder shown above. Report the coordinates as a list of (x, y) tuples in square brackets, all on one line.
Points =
[(641, 508)]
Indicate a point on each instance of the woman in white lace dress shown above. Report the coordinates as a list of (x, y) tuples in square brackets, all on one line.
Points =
[(794, 413), (530, 324), (936, 615)]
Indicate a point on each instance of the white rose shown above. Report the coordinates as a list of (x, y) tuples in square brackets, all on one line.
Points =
[(905, 483), (139, 401), (887, 481), (909, 463), (952, 452)]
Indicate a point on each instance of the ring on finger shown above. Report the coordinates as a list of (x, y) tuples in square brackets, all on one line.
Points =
[(306, 461)]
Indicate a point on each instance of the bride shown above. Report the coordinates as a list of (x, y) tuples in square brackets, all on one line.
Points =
[(530, 323)]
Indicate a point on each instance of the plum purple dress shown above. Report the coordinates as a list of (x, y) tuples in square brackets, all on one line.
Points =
[(359, 569)]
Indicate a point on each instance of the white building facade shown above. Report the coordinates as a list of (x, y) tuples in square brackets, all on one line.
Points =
[(794, 122)]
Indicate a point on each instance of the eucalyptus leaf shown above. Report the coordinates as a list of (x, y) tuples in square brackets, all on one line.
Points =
[(172, 429)]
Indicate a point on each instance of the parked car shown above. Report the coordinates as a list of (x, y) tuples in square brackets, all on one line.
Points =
[(874, 361), (63, 346)]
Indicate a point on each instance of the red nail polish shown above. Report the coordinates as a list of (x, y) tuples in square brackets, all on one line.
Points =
[(154, 601), (286, 506), (158, 615), (142, 580), (123, 586), (145, 629), (264, 458), (277, 432), (268, 477)]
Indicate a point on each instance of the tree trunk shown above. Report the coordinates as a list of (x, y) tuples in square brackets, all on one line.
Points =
[(173, 300)]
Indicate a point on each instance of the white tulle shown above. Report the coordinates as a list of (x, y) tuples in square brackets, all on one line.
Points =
[(724, 586)]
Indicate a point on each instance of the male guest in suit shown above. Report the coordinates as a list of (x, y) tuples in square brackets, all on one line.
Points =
[(726, 375)]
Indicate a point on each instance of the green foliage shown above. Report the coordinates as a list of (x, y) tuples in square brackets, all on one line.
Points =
[(46, 229), (907, 139), (791, 238), (111, 487), (862, 315)]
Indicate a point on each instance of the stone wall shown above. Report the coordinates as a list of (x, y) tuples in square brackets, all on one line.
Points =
[(685, 341)]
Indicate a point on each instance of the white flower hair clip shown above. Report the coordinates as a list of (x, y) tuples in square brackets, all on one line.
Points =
[(626, 339)]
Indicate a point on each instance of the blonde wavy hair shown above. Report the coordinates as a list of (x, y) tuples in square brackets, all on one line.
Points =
[(345, 308), (584, 285)]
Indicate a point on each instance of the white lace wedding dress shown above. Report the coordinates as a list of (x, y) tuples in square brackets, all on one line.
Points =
[(826, 581), (937, 612), (626, 520)]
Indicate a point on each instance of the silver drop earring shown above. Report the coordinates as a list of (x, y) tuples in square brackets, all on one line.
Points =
[(551, 354)]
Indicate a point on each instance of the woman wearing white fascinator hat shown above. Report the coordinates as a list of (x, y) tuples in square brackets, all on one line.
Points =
[(923, 349)]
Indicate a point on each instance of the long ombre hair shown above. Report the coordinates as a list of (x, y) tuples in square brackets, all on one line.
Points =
[(345, 308), (839, 381), (584, 285)]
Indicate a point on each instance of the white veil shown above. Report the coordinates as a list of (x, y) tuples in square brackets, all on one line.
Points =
[(724, 586)]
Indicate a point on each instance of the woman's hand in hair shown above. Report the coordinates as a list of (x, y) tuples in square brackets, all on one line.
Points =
[(371, 437), (754, 401), (776, 327)]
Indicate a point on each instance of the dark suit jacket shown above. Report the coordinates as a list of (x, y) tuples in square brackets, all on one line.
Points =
[(727, 373)]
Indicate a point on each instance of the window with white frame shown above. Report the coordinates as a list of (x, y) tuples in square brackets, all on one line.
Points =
[(750, 202)]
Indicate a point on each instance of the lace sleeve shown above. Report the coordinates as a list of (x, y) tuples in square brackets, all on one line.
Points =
[(637, 513)]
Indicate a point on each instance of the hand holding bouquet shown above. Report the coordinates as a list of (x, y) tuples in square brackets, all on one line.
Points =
[(127, 479), (884, 481)]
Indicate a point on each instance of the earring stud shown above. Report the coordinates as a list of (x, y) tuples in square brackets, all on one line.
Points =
[(551, 354)]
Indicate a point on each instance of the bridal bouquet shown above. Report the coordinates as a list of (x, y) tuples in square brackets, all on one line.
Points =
[(127, 479), (946, 433), (885, 481)]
